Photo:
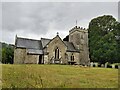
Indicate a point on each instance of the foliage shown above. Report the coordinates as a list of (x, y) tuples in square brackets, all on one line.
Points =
[(103, 44), (66, 38), (7, 53), (58, 76)]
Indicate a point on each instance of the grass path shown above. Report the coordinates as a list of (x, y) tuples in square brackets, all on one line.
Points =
[(58, 76)]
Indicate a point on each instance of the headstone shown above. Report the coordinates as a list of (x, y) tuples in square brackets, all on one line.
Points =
[(118, 66), (96, 64), (113, 66), (91, 64), (102, 65), (106, 64)]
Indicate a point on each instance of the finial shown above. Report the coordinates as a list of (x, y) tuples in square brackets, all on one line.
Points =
[(57, 33)]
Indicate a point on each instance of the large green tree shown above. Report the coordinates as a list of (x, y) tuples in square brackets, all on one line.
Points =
[(7, 53), (103, 42)]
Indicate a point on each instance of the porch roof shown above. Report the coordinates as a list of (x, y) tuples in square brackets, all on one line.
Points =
[(70, 47)]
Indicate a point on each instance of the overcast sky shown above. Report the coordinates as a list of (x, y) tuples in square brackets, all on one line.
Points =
[(45, 19)]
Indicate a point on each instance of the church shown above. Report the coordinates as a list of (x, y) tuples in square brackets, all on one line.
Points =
[(73, 50)]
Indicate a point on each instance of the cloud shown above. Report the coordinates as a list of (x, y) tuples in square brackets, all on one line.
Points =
[(36, 19)]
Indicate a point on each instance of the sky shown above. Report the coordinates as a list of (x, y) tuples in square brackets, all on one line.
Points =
[(37, 20)]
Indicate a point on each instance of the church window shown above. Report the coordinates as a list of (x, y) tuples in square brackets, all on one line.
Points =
[(72, 57), (57, 53)]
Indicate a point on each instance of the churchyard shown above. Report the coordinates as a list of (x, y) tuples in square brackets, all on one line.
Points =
[(58, 76), (106, 65)]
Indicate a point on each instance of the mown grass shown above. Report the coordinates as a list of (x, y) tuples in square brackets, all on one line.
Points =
[(58, 76)]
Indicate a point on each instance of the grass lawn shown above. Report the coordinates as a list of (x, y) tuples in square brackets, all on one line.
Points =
[(57, 76)]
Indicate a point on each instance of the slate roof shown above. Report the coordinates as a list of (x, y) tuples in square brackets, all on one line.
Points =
[(70, 46), (45, 41), (36, 46), (28, 43)]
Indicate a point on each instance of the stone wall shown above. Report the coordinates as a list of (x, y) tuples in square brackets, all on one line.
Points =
[(56, 42), (31, 59), (76, 57), (79, 37), (45, 59), (21, 57)]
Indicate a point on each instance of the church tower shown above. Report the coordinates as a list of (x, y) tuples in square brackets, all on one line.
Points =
[(79, 37)]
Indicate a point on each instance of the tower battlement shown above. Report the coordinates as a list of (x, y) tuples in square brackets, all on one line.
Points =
[(78, 28)]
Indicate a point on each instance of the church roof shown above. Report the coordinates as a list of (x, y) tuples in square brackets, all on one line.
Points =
[(45, 41), (36, 46), (28, 43), (70, 46)]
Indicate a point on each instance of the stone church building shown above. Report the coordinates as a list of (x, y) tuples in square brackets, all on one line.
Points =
[(74, 50)]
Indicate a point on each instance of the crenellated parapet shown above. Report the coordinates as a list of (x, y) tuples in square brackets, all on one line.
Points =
[(78, 28)]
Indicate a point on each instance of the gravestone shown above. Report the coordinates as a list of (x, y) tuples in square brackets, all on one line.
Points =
[(91, 64), (118, 66), (106, 64), (85, 65), (96, 64), (113, 66), (102, 65)]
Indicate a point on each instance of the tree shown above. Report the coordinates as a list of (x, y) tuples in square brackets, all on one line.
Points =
[(102, 39), (7, 53), (66, 38)]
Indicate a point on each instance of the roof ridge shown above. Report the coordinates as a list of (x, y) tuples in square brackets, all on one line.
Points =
[(28, 39), (46, 38)]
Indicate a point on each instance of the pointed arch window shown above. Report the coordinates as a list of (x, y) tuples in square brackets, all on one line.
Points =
[(72, 57), (57, 53)]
